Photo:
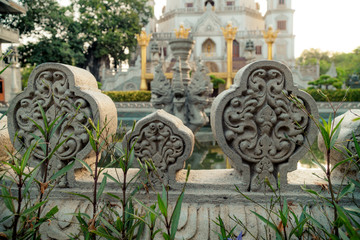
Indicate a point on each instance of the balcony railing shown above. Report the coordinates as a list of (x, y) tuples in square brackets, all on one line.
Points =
[(8, 35)]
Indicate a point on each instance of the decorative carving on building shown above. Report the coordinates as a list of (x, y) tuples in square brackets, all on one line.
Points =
[(64, 91), (258, 127), (165, 140)]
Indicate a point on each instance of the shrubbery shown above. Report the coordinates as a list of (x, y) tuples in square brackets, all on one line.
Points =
[(352, 95), (129, 96)]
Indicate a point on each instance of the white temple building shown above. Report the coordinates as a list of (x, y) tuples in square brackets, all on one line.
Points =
[(206, 23), (205, 18)]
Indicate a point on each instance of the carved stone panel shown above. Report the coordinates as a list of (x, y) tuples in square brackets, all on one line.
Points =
[(165, 140), (261, 131), (65, 91)]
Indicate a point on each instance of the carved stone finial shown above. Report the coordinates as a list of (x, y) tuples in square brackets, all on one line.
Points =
[(165, 140), (260, 130), (61, 90)]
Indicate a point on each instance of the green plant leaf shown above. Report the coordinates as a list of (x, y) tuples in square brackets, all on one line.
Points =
[(340, 163), (30, 181), (43, 118), (54, 128), (33, 208), (346, 190), (267, 222), (111, 227), (112, 178), (26, 157), (86, 166), (162, 207), (356, 143), (7, 198), (80, 195), (62, 171), (176, 216), (101, 188)]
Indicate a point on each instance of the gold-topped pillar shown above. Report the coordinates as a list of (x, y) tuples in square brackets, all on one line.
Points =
[(270, 35), (143, 40), (229, 34)]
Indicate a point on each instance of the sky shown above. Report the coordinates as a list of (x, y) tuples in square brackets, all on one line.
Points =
[(329, 25)]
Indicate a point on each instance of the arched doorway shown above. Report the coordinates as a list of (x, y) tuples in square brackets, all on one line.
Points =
[(208, 48)]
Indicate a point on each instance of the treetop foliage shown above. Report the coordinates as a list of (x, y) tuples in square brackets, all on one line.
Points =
[(84, 34)]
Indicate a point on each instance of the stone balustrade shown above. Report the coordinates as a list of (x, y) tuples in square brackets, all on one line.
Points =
[(260, 129)]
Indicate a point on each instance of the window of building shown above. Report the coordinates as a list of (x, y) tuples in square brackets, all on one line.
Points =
[(236, 49), (230, 3), (208, 48), (189, 5), (282, 2), (258, 50), (281, 25)]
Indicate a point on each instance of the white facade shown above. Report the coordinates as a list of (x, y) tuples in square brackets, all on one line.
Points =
[(206, 23)]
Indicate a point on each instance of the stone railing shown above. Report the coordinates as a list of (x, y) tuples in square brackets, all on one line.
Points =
[(262, 132), (8, 34)]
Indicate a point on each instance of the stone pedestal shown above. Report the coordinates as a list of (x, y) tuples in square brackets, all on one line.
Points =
[(182, 48)]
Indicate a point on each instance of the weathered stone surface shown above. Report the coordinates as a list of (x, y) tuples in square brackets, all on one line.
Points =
[(6, 145), (260, 130), (163, 138), (66, 91), (344, 143), (202, 204)]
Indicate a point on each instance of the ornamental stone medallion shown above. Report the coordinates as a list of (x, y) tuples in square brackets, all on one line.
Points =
[(259, 128), (164, 139), (73, 94)]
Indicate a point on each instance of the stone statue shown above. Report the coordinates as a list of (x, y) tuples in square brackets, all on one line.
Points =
[(161, 94), (199, 91), (185, 102)]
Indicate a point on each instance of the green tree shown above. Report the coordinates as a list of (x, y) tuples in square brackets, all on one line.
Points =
[(313, 56), (84, 34), (108, 29), (326, 81)]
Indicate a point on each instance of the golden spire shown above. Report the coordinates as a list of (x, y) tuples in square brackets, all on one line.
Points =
[(142, 38), (182, 32), (229, 32), (270, 36)]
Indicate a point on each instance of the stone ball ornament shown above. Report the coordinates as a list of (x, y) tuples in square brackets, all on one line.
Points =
[(260, 128), (71, 93)]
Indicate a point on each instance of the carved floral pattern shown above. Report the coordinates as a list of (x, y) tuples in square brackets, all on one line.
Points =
[(165, 140), (158, 142), (261, 126), (52, 89)]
